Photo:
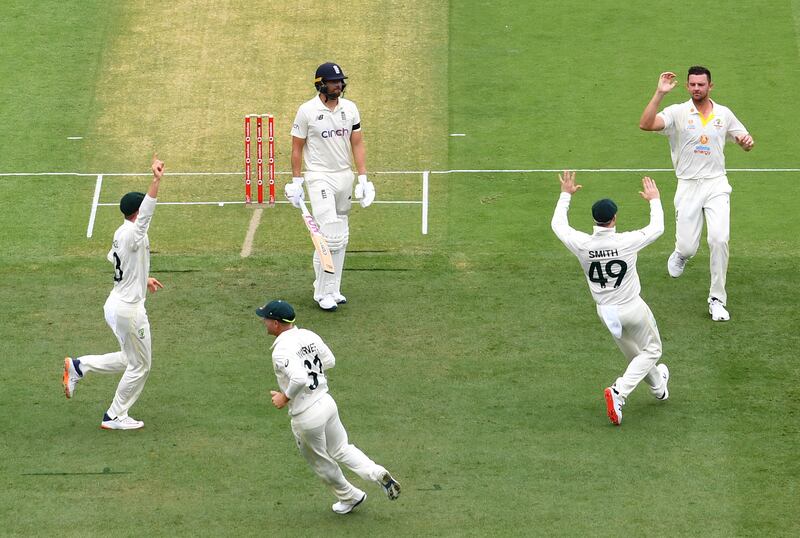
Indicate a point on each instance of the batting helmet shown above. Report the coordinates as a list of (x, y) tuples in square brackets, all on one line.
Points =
[(328, 71)]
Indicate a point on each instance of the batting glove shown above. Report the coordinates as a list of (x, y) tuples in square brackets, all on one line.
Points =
[(365, 191), (294, 191)]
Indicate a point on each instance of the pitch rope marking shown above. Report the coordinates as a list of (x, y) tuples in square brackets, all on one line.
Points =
[(247, 246)]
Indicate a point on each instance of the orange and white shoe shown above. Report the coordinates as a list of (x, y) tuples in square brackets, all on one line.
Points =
[(71, 376), (614, 403)]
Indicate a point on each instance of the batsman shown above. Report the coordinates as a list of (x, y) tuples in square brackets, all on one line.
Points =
[(327, 142)]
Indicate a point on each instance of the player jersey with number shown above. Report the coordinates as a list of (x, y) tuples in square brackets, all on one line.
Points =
[(696, 143), (300, 358), (608, 258), (327, 134), (130, 255)]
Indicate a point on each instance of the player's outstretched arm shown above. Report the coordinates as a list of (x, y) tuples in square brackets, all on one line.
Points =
[(650, 120), (158, 172), (567, 180), (649, 189), (655, 228)]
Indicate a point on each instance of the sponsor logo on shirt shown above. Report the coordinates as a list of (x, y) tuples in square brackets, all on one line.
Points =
[(702, 150), (703, 139), (335, 132), (344, 116)]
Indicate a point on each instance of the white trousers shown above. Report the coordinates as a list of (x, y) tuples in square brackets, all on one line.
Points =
[(709, 198), (638, 340), (132, 329), (330, 195), (322, 440)]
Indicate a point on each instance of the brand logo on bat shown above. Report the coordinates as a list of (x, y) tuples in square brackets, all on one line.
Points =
[(311, 224)]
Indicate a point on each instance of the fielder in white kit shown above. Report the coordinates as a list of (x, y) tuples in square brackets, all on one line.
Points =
[(326, 141), (124, 310), (608, 260), (300, 359), (697, 131)]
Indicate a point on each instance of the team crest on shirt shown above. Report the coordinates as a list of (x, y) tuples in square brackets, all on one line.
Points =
[(344, 116), (321, 116), (718, 123)]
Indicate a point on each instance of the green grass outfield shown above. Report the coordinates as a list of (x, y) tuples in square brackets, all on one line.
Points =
[(471, 362)]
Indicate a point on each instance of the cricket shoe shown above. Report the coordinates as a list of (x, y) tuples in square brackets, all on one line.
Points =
[(614, 403), (663, 371), (339, 298), (328, 303), (71, 376), (345, 508), (676, 264), (390, 486), (120, 423), (717, 310)]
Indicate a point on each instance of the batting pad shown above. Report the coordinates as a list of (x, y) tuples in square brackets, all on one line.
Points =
[(336, 232)]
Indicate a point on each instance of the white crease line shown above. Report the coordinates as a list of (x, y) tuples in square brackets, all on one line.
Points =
[(389, 172), (95, 199), (425, 176), (257, 206)]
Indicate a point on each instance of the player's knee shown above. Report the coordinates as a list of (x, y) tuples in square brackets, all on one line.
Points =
[(716, 241), (337, 233)]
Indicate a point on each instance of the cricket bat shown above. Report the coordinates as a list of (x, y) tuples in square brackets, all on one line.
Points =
[(320, 245)]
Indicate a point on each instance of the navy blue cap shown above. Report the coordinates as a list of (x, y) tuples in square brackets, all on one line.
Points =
[(604, 210), (129, 204), (279, 310)]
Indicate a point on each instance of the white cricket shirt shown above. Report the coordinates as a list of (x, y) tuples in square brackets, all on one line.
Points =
[(130, 255), (697, 143), (608, 258), (300, 358), (327, 134)]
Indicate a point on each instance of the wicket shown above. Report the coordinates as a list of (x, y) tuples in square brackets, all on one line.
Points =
[(248, 198)]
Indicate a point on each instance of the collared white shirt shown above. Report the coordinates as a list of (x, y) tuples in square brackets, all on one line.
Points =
[(130, 255), (696, 143), (608, 258), (299, 359), (327, 134)]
